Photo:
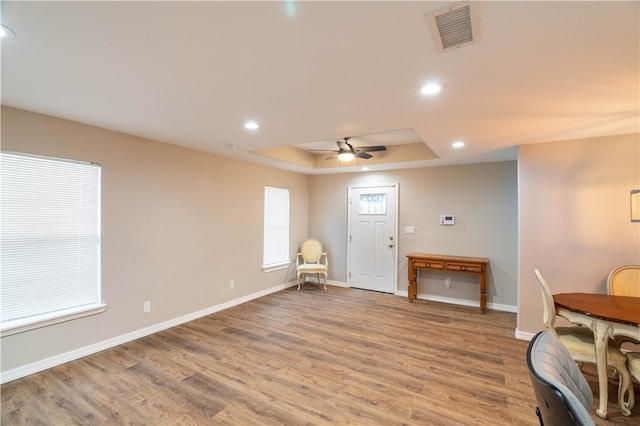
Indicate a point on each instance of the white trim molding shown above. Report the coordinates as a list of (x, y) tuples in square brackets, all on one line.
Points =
[(45, 364), (18, 326), (314, 281), (462, 302), (523, 335), (276, 266)]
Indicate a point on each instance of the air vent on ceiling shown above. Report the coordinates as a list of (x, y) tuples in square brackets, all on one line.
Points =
[(453, 26)]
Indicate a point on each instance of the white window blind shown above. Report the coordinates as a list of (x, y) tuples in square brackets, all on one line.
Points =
[(276, 227), (50, 238)]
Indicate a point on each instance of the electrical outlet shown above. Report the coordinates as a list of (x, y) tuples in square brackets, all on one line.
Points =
[(231, 284), (146, 308), (447, 282)]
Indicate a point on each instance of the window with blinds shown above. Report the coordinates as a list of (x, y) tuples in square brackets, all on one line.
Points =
[(49, 241), (276, 228)]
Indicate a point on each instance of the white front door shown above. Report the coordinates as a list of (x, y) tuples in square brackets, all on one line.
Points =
[(373, 236)]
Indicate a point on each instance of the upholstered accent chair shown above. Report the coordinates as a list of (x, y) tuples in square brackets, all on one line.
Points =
[(563, 394), (311, 259), (580, 343)]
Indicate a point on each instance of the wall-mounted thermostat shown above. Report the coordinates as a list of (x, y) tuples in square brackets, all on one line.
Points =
[(447, 219)]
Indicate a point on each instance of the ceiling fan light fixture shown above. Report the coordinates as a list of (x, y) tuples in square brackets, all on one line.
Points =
[(346, 156)]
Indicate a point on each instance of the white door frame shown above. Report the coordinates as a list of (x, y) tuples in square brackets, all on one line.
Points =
[(395, 229)]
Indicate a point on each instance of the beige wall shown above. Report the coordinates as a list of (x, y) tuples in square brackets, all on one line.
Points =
[(177, 226), (574, 217), (483, 197)]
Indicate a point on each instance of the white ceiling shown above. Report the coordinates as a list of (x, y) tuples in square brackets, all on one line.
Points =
[(191, 73)]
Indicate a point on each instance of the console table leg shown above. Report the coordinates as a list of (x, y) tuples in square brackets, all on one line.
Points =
[(483, 290), (412, 290)]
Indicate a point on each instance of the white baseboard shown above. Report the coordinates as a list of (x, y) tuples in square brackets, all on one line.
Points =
[(462, 302), (337, 283), (522, 335), (314, 280), (44, 364)]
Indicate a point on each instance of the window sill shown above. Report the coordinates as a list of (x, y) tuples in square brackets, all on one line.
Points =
[(31, 323), (276, 266)]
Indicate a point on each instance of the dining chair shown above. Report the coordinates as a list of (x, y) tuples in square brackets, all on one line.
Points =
[(580, 343), (633, 362), (562, 393), (624, 281), (312, 260)]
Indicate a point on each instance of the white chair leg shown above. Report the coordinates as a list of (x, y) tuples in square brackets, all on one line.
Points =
[(631, 402), (625, 387)]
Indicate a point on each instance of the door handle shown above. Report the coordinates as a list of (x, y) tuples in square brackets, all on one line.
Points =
[(391, 245)]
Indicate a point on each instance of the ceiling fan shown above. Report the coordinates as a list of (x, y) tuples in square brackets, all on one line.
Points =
[(346, 151)]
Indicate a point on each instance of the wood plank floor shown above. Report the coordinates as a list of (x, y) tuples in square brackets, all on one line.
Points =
[(342, 356)]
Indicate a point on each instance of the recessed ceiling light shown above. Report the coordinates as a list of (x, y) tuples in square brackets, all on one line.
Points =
[(430, 88), (251, 125), (457, 144), (6, 32)]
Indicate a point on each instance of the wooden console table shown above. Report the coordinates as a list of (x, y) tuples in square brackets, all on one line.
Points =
[(474, 265)]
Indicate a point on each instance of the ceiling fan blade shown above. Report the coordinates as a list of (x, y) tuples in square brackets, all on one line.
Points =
[(363, 155), (344, 146), (334, 155), (372, 148)]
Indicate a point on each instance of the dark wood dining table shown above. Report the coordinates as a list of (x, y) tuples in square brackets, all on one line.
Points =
[(607, 316)]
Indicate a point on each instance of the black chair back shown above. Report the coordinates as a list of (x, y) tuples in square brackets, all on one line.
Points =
[(557, 405)]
